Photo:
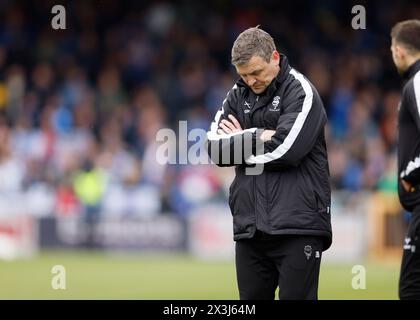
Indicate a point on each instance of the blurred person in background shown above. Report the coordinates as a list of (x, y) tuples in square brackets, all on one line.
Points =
[(281, 217), (12, 169), (89, 184), (405, 49), (58, 96), (62, 93)]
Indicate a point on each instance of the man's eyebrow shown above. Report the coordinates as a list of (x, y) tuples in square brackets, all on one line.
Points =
[(253, 72)]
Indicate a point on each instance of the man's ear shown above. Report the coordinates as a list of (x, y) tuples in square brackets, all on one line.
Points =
[(275, 56), (400, 51)]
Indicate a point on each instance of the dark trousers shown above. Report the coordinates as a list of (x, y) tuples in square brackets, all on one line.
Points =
[(266, 262), (409, 285)]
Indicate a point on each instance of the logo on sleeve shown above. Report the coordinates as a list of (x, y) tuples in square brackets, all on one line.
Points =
[(408, 245)]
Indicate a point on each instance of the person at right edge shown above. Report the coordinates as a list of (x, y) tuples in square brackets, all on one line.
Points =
[(405, 49)]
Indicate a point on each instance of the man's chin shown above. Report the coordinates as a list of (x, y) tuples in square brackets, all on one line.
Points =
[(258, 90)]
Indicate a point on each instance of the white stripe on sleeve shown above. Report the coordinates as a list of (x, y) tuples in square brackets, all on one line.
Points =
[(296, 128), (413, 165), (416, 84), (213, 135), (214, 125)]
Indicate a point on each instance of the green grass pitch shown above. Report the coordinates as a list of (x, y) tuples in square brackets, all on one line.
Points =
[(95, 275)]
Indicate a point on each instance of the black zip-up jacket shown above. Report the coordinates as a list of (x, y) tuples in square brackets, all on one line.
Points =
[(409, 138), (292, 195)]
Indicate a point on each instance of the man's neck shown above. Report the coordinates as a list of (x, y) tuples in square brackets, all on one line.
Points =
[(413, 66), (276, 73), (412, 60)]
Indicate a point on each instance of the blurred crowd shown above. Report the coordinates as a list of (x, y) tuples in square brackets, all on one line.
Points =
[(80, 107)]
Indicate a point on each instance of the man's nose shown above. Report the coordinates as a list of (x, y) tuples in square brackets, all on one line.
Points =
[(251, 82)]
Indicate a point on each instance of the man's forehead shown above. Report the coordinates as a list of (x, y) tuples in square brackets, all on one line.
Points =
[(255, 63)]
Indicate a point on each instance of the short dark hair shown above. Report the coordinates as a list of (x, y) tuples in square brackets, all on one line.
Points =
[(407, 33), (252, 41)]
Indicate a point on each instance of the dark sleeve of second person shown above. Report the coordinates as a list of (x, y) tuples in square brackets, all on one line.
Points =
[(411, 95)]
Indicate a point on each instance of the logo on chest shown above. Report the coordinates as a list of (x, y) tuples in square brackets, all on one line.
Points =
[(248, 107), (275, 104)]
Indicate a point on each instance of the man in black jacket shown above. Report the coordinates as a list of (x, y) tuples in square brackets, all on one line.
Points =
[(273, 119), (406, 55)]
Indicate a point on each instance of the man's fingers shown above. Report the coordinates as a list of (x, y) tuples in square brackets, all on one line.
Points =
[(266, 135), (407, 186), (230, 127), (224, 127), (228, 124), (235, 122), (271, 133)]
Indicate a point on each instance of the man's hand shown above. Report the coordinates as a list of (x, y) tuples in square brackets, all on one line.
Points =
[(407, 186), (267, 134), (228, 127), (233, 126)]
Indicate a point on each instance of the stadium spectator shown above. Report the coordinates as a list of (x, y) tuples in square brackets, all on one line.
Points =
[(81, 85)]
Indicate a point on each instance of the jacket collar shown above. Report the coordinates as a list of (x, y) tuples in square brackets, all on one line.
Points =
[(284, 69), (412, 70)]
